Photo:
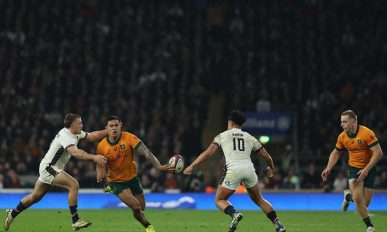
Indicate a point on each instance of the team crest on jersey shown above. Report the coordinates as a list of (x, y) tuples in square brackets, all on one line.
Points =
[(359, 141), (122, 146), (227, 182)]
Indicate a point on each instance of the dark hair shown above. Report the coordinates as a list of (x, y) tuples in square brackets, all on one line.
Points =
[(237, 116), (70, 118), (350, 114), (111, 118)]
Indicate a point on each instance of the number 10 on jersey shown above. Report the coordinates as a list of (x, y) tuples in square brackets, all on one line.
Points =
[(238, 143)]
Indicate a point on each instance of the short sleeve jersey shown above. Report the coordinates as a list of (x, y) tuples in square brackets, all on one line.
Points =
[(358, 146), (120, 157), (237, 146), (57, 155)]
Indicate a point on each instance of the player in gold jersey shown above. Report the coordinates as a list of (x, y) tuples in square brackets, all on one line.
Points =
[(364, 153), (120, 148)]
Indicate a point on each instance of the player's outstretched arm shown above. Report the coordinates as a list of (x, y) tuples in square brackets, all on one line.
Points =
[(101, 172), (202, 157), (81, 154), (96, 136), (333, 158), (144, 151)]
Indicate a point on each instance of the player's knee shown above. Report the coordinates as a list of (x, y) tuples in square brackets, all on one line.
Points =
[(136, 208), (357, 199), (219, 202), (74, 186)]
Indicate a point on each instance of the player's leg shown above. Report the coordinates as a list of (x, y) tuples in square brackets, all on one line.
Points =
[(37, 194), (368, 194), (127, 197), (257, 198), (347, 199), (357, 190), (369, 186), (64, 180), (227, 185), (141, 200), (221, 200)]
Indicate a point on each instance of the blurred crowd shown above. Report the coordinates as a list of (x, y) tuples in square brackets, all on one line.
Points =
[(155, 64)]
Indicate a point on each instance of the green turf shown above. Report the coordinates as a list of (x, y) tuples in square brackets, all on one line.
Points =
[(195, 221)]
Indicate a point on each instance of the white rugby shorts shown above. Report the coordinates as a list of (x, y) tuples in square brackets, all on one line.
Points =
[(47, 173), (234, 175)]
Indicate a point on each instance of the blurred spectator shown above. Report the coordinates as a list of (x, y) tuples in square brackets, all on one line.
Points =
[(290, 181), (311, 178), (287, 158), (1, 181), (11, 180), (157, 180), (340, 183), (194, 182), (170, 182), (381, 181)]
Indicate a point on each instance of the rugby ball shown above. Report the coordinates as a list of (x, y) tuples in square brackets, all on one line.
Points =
[(177, 162)]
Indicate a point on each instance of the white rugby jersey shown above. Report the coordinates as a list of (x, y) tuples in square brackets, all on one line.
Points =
[(57, 156), (237, 146)]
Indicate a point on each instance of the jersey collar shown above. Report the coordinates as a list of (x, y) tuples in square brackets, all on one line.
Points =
[(115, 143), (353, 135)]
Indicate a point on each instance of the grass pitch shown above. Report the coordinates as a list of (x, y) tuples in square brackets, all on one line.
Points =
[(195, 221)]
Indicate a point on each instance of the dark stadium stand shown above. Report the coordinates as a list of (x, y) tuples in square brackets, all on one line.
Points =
[(157, 64)]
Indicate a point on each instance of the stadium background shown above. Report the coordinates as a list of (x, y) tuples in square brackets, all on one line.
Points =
[(172, 70)]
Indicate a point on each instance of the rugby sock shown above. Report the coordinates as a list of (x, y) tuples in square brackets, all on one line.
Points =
[(273, 217), (19, 208), (367, 221), (74, 213), (229, 210)]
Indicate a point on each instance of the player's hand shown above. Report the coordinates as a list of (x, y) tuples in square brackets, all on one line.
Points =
[(166, 168), (100, 159), (269, 172), (325, 174), (188, 170), (362, 175)]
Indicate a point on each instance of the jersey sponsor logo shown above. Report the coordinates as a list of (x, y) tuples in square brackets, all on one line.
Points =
[(122, 146), (227, 182), (359, 141)]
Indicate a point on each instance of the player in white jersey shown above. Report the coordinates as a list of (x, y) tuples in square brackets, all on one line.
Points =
[(237, 147), (63, 146)]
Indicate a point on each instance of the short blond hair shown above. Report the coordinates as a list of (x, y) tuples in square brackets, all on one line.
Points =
[(350, 113), (69, 119)]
